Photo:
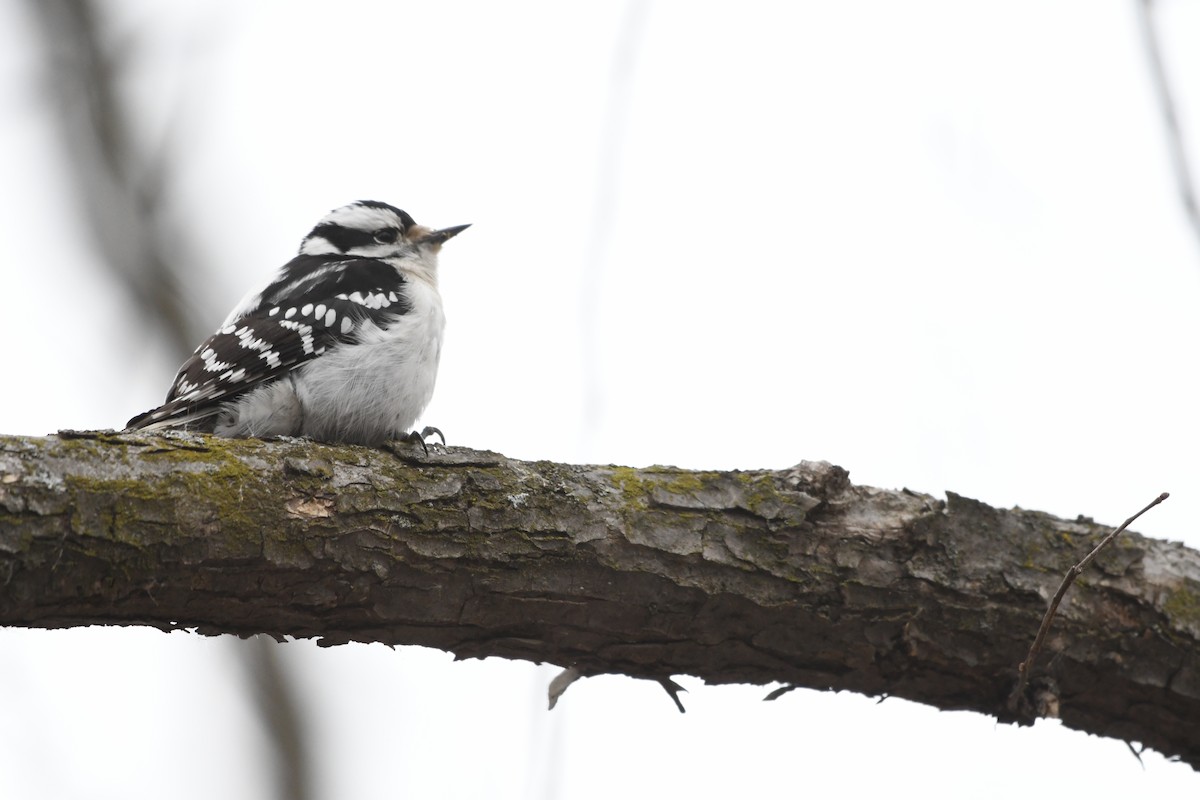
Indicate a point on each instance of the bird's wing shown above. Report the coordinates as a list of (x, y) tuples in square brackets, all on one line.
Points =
[(317, 303)]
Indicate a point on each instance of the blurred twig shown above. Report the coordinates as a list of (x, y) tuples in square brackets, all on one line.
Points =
[(120, 188), (278, 711), (608, 170), (1166, 100)]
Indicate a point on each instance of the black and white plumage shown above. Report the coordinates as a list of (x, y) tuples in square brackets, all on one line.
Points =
[(342, 346)]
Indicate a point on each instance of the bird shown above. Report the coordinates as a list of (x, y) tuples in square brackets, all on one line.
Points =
[(342, 346)]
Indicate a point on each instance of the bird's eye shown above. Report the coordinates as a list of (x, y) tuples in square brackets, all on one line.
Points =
[(387, 235)]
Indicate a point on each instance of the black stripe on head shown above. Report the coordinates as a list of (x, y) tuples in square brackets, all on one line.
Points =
[(343, 238), (403, 215)]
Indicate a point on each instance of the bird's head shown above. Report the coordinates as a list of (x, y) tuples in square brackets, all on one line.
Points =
[(371, 229)]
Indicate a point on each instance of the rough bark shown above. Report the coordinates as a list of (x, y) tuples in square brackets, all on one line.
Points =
[(794, 575)]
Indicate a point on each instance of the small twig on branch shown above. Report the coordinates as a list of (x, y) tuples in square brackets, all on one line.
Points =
[(1026, 666), (560, 683), (673, 689), (572, 674), (780, 692), (1137, 753)]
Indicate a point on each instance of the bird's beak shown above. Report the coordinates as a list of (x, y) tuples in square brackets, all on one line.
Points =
[(439, 237)]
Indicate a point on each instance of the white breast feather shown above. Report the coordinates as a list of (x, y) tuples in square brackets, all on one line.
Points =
[(366, 392), (377, 388)]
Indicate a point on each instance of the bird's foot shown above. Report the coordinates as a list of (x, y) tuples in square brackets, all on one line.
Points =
[(428, 431), (416, 436)]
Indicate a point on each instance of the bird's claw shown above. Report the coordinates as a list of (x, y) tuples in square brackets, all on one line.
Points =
[(429, 430), (419, 437)]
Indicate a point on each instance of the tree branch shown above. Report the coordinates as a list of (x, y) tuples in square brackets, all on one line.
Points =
[(794, 575)]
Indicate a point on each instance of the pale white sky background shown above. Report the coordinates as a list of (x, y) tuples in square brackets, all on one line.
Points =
[(937, 243)]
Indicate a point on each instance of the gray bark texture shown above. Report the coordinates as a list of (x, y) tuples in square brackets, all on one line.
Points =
[(795, 575)]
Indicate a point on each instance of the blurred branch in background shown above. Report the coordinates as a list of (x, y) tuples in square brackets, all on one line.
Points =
[(120, 189), (278, 710), (1166, 99), (608, 171)]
